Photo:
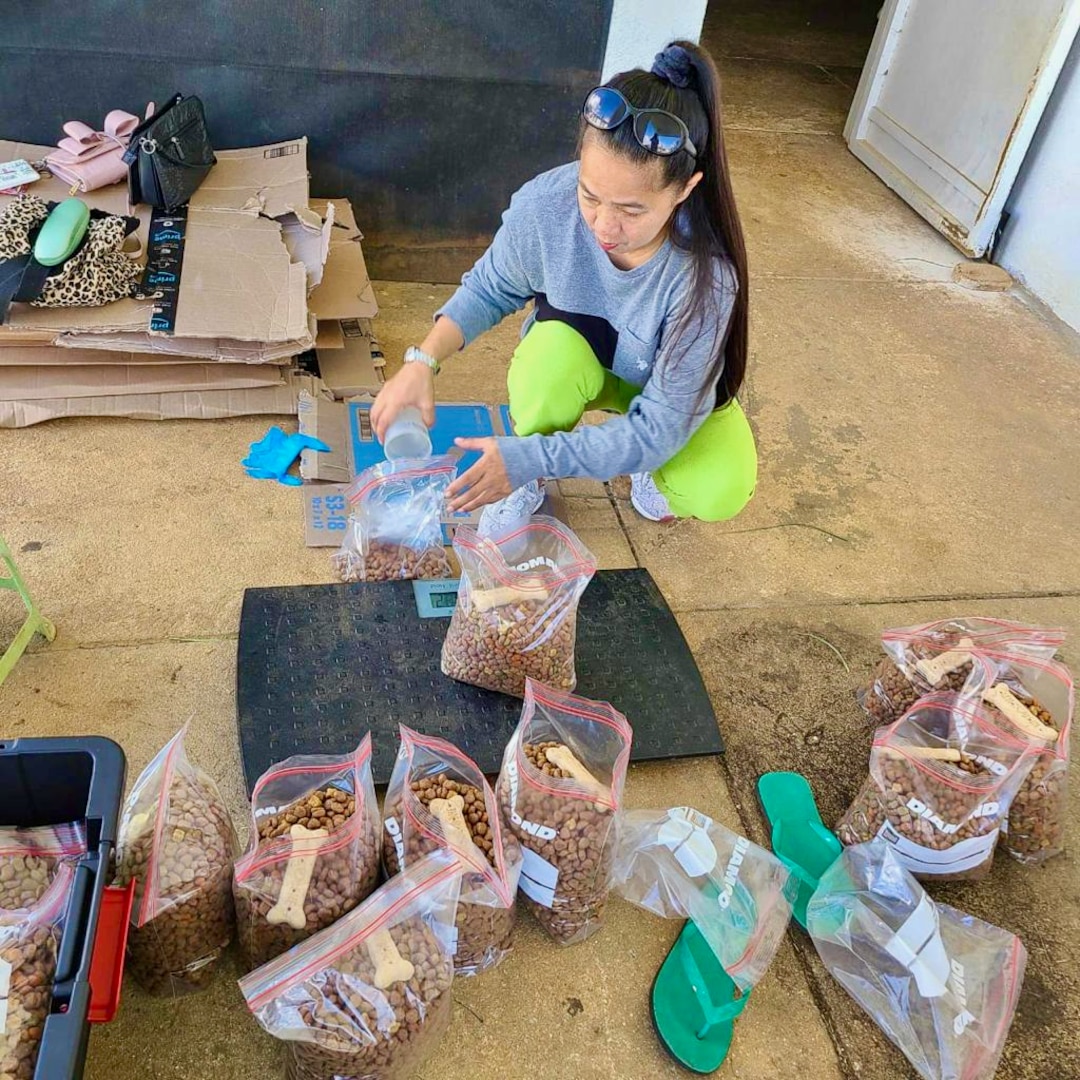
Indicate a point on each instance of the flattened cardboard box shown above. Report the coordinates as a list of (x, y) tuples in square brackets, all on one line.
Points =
[(328, 420), (326, 515), (53, 356), (345, 291), (355, 368), (225, 350), (198, 405), (49, 382), (238, 280)]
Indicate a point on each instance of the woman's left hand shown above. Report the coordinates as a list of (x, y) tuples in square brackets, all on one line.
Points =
[(486, 482)]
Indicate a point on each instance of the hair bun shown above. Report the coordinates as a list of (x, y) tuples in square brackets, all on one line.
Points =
[(674, 64)]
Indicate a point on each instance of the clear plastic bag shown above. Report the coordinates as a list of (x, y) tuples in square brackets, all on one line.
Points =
[(681, 864), (30, 859), (394, 530), (438, 797), (178, 844), (29, 946), (516, 614), (560, 793), (942, 984), (369, 997), (313, 852), (940, 785), (939, 656), (1031, 700)]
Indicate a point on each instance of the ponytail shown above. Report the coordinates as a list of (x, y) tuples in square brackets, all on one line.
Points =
[(684, 81)]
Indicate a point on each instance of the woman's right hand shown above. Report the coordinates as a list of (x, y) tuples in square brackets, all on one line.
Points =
[(413, 385)]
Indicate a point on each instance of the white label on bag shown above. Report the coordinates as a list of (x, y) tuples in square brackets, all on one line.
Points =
[(5, 988), (538, 878), (965, 855)]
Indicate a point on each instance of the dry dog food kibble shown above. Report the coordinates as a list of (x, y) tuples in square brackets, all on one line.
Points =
[(178, 844), (439, 798), (516, 615), (894, 690), (940, 783), (368, 999), (314, 853), (395, 525), (389, 562), (29, 945), (1036, 825), (484, 929), (559, 793)]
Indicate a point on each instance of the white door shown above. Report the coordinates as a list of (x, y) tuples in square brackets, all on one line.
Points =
[(949, 100)]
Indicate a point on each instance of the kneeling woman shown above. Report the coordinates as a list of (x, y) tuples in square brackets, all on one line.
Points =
[(634, 256)]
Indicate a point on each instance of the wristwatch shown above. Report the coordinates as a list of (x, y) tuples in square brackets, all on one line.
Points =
[(413, 355)]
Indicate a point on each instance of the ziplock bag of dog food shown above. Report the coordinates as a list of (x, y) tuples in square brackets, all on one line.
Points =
[(560, 794), (29, 946), (681, 864), (939, 656), (941, 984), (369, 997), (30, 859), (178, 844), (941, 781), (313, 854), (439, 798), (1031, 700), (394, 529), (516, 614)]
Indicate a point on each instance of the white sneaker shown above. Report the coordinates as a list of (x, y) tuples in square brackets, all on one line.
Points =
[(517, 507), (647, 499)]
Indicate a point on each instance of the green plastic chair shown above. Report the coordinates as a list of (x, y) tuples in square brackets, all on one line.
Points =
[(36, 623)]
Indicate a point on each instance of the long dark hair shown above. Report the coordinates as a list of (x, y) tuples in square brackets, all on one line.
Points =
[(707, 223)]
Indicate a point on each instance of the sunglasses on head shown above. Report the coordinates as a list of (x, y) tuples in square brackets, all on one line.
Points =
[(656, 130)]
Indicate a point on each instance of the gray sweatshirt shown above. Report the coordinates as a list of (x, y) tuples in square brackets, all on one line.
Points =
[(545, 249)]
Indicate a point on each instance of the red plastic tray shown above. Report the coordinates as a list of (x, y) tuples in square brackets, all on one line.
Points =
[(107, 963)]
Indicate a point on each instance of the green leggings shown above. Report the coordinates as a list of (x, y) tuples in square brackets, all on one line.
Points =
[(555, 376)]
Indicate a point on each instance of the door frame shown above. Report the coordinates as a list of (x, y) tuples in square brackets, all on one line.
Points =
[(976, 239)]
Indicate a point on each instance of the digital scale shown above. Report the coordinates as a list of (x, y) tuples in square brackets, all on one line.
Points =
[(436, 598)]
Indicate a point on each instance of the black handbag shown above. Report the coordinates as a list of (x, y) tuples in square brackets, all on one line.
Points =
[(169, 155)]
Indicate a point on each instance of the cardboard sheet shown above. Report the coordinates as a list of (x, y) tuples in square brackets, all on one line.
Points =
[(226, 350), (194, 405), (345, 291), (54, 356), (105, 380), (325, 514), (270, 180), (325, 419), (354, 368)]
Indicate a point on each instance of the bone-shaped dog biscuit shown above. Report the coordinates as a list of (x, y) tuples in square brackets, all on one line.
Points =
[(289, 908), (934, 668), (451, 815), (930, 753), (562, 757), (528, 589), (1006, 702), (390, 966)]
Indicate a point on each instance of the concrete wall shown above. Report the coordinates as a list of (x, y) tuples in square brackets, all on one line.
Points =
[(641, 28), (1041, 243)]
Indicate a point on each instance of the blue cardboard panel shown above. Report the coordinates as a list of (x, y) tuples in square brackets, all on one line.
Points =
[(453, 421)]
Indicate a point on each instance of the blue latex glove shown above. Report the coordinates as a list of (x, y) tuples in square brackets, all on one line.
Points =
[(272, 456)]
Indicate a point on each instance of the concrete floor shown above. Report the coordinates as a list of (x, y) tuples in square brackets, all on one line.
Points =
[(918, 446)]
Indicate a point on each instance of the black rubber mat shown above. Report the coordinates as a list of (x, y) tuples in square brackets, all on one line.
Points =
[(318, 665)]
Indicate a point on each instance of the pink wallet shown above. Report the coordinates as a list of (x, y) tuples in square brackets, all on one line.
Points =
[(89, 159)]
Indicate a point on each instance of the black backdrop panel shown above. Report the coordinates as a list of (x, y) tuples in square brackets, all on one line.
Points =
[(426, 114)]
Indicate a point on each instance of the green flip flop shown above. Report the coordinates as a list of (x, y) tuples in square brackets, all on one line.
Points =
[(695, 1002), (799, 837)]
